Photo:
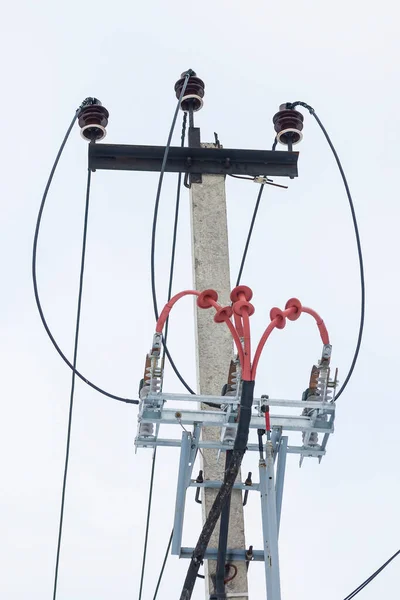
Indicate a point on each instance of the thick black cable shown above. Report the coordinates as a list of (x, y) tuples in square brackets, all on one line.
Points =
[(154, 228), (74, 373), (34, 274), (223, 541), (371, 577), (163, 566), (357, 234), (239, 449), (253, 220), (170, 284)]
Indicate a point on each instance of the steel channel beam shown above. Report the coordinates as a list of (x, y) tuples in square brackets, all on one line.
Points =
[(269, 525), (280, 477), (181, 492), (168, 416), (222, 161), (217, 484), (171, 443), (231, 555), (328, 407)]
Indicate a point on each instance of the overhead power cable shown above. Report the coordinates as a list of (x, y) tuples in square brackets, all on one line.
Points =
[(71, 403), (358, 241), (154, 228), (371, 577), (253, 220), (170, 283), (34, 268), (163, 566)]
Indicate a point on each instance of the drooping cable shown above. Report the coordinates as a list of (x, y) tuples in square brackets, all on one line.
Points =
[(371, 577), (34, 268), (154, 228), (170, 283), (224, 492), (146, 535), (358, 241), (163, 566), (72, 393), (253, 220)]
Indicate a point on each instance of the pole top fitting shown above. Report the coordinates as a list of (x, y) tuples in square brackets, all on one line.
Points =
[(194, 92)]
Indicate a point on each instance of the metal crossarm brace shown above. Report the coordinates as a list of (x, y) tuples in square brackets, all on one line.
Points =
[(217, 161)]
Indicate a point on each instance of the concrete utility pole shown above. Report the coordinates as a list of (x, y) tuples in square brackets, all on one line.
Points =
[(210, 254)]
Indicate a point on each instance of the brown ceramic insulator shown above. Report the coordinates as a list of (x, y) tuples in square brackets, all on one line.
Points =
[(195, 87), (288, 119), (93, 120)]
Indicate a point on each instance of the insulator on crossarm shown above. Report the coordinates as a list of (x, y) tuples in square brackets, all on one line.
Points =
[(93, 120), (194, 92), (288, 124), (146, 429)]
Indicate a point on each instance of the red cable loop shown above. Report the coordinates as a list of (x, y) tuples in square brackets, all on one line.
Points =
[(261, 345), (167, 308), (238, 324), (320, 323), (246, 375), (242, 310), (223, 314)]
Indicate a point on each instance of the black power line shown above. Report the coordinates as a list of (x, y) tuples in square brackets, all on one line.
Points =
[(163, 566), (74, 373), (357, 234), (253, 220), (171, 278), (154, 228), (371, 577), (34, 267)]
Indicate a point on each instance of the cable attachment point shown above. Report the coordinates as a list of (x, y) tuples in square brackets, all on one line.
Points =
[(89, 101), (263, 180), (93, 120), (194, 92), (249, 555), (157, 343), (288, 124)]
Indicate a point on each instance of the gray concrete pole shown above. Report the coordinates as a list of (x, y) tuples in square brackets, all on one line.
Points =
[(214, 345)]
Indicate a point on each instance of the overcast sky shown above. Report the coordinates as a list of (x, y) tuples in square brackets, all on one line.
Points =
[(340, 519)]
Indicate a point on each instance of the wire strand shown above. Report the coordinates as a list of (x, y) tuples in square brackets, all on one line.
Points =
[(163, 566), (146, 536), (253, 220), (154, 230), (360, 258), (71, 402), (170, 284), (34, 272), (358, 241), (371, 577)]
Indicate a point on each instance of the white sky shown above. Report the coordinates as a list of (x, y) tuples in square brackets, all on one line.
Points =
[(340, 519)]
